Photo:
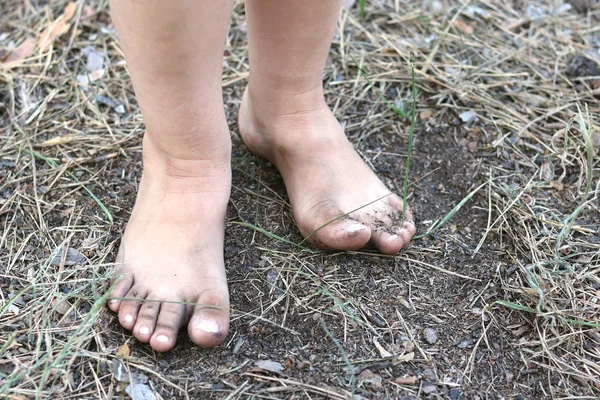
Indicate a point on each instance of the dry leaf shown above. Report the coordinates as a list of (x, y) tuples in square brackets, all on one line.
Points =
[(404, 358), (268, 365), (57, 28), (463, 27), (57, 140), (124, 351), (383, 352), (23, 51)]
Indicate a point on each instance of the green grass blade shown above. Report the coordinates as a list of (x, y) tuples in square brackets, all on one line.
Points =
[(514, 306), (271, 235), (586, 128), (411, 133), (451, 214)]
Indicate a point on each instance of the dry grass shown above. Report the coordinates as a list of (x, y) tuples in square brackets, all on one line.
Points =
[(69, 160)]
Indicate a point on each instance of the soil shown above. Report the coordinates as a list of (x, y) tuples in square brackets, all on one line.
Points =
[(306, 323)]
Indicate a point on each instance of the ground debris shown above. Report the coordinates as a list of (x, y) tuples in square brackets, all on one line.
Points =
[(430, 336), (73, 257), (271, 366)]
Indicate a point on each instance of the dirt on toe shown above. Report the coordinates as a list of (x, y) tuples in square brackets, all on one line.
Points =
[(500, 301)]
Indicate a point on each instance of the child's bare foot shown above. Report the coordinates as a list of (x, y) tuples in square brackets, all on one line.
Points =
[(323, 174), (171, 255)]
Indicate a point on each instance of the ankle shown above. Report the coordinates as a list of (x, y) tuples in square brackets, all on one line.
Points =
[(290, 96), (207, 170)]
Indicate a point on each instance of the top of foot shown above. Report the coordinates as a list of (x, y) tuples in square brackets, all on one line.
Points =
[(325, 177)]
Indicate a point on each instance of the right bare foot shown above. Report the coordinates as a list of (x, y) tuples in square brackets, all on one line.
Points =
[(170, 261)]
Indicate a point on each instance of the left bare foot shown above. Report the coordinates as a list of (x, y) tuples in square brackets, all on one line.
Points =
[(324, 176)]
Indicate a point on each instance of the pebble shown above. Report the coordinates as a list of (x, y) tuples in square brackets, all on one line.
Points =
[(430, 336), (429, 388), (454, 393)]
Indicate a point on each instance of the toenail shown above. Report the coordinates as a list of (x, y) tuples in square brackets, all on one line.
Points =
[(207, 325), (355, 228), (162, 338), (394, 237), (128, 318), (113, 301), (144, 330)]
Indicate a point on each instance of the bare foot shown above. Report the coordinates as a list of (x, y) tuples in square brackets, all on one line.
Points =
[(171, 255), (324, 176)]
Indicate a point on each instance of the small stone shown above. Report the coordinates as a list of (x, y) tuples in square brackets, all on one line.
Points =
[(430, 336), (429, 375), (72, 257), (428, 388), (454, 393), (469, 117), (472, 146)]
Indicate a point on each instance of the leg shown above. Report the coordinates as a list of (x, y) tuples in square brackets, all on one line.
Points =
[(171, 255), (285, 119)]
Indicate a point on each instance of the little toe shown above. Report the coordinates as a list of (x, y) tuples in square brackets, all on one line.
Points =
[(387, 243), (129, 307), (146, 319), (122, 285), (209, 324), (407, 227), (170, 320), (407, 231)]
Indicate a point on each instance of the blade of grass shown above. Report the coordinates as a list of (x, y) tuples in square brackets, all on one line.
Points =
[(411, 132), (344, 356), (519, 307), (450, 214), (586, 128), (271, 235)]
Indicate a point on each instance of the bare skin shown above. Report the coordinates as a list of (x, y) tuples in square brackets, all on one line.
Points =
[(171, 255), (171, 270), (285, 119), (325, 178)]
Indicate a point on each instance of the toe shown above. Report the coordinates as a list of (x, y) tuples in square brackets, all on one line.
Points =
[(120, 287), (407, 231), (407, 227), (387, 243), (146, 319), (129, 307), (335, 233), (170, 320), (209, 324)]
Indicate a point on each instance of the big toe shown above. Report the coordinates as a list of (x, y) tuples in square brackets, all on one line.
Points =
[(209, 324), (334, 231)]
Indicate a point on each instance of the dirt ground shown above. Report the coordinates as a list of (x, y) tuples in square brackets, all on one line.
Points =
[(499, 302)]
